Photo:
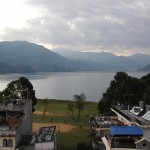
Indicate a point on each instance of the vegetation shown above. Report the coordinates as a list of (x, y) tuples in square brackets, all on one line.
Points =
[(79, 100), (125, 89), (57, 113), (70, 108), (20, 88)]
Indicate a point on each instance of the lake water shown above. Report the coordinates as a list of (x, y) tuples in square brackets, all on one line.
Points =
[(65, 85)]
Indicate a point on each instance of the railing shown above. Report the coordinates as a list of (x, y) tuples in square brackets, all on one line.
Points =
[(7, 132), (123, 142), (13, 107), (122, 145), (121, 113)]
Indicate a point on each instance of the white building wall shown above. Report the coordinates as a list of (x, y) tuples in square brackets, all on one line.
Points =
[(45, 146)]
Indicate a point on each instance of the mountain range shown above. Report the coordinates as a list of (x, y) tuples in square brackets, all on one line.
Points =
[(25, 57), (30, 57), (130, 63)]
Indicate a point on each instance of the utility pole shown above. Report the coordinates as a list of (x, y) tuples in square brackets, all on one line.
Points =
[(128, 102), (129, 98)]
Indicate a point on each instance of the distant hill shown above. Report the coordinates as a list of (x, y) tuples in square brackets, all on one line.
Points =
[(102, 57), (5, 68), (21, 53), (21, 56), (25, 57), (146, 68), (141, 58)]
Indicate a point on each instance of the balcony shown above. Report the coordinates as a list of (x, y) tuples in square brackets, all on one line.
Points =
[(12, 107), (6, 131)]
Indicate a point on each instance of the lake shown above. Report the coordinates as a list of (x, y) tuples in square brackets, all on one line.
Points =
[(64, 85)]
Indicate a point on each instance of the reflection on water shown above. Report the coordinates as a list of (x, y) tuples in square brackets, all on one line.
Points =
[(65, 85)]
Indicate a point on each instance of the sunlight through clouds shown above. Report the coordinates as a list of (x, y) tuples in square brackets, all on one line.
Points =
[(15, 13), (120, 27)]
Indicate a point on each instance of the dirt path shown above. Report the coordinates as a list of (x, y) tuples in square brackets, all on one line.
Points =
[(60, 127), (47, 113)]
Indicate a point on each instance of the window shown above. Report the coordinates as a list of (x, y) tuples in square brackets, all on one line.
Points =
[(10, 143), (7, 143), (144, 144)]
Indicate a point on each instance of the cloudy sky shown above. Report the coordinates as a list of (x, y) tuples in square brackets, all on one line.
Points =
[(118, 26)]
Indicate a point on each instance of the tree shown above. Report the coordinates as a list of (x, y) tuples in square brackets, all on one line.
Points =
[(70, 108), (79, 100), (104, 107), (21, 88), (124, 89), (44, 107)]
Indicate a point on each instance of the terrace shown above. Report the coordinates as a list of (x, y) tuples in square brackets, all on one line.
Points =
[(11, 113), (13, 105), (104, 122)]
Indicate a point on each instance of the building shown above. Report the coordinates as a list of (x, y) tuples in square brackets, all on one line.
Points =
[(45, 139), (129, 129), (143, 144), (15, 121), (16, 128), (122, 137)]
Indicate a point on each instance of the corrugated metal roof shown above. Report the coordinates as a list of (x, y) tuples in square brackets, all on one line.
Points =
[(146, 116), (126, 130)]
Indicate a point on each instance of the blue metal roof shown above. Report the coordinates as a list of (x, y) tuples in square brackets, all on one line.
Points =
[(126, 130)]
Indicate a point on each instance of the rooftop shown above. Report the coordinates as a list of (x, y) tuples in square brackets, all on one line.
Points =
[(13, 104), (11, 113), (126, 131), (130, 116), (104, 121), (146, 116)]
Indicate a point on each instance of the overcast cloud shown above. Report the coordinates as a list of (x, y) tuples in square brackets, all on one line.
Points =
[(117, 26)]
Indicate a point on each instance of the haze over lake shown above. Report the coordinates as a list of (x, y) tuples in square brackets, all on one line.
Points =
[(65, 85)]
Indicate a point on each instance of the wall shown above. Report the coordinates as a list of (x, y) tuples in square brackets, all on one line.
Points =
[(44, 146), (7, 148), (25, 127), (140, 145)]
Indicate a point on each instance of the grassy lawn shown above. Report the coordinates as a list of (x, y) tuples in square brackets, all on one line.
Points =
[(68, 141), (58, 113)]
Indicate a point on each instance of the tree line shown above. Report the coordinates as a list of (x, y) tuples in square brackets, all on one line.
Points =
[(123, 90)]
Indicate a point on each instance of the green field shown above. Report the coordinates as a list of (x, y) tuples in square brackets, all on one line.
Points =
[(60, 114)]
